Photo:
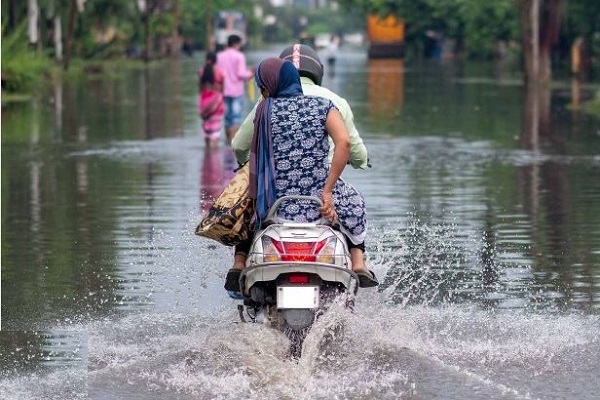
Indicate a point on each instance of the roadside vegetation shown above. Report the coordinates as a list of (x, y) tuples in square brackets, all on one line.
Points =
[(593, 106), (22, 67)]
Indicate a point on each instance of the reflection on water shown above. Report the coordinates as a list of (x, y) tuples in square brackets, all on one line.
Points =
[(444, 243), (484, 230), (385, 83), (212, 178), (218, 166)]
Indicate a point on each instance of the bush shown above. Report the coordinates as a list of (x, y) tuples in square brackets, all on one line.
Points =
[(22, 67), (592, 107)]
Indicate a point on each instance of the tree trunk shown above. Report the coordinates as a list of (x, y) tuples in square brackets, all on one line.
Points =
[(57, 37), (147, 43), (529, 18), (71, 33), (54, 15), (552, 15), (33, 22), (540, 27), (175, 44)]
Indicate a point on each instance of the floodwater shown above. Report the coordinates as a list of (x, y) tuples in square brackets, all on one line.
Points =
[(484, 213)]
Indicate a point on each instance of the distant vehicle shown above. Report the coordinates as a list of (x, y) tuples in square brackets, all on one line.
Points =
[(354, 39), (228, 23), (386, 36)]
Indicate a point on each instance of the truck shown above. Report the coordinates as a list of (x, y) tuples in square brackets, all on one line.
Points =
[(385, 36)]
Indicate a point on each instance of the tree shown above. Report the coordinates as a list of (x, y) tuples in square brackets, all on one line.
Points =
[(71, 32), (175, 43), (54, 14), (475, 25), (540, 28)]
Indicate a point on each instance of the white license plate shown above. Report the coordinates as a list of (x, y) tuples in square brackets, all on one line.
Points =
[(297, 297)]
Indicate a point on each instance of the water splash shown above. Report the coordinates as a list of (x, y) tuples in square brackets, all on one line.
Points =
[(376, 351)]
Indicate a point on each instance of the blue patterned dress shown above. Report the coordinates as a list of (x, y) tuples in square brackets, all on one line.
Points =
[(300, 150)]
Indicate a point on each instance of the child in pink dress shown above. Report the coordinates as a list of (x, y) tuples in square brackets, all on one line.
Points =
[(211, 106)]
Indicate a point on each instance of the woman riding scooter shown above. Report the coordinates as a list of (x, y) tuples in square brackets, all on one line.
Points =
[(289, 155)]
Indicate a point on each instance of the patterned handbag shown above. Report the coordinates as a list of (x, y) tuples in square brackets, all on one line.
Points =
[(229, 219)]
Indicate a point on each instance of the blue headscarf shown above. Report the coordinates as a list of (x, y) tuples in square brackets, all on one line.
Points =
[(281, 79)]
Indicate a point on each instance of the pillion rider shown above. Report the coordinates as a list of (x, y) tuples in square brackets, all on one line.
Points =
[(310, 69), (309, 65)]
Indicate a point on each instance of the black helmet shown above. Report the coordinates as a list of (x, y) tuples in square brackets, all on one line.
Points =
[(306, 59)]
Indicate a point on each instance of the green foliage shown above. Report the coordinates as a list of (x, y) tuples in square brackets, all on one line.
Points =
[(335, 22), (583, 20), (109, 9), (592, 107), (380, 7), (192, 21), (583, 17), (122, 18), (317, 21), (320, 27), (22, 67), (480, 34), (115, 48), (477, 24)]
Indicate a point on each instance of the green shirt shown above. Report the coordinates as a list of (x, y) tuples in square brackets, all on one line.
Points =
[(242, 140)]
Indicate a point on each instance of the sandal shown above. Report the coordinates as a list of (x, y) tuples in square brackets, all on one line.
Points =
[(232, 281), (367, 279), (235, 295)]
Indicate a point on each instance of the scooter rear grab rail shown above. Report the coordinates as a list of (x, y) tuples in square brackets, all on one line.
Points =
[(272, 216)]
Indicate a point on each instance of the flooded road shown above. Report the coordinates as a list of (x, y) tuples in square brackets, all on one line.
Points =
[(484, 230)]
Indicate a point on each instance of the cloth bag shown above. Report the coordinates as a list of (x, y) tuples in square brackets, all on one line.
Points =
[(229, 219)]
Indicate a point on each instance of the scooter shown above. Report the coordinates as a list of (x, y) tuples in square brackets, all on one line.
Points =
[(294, 272)]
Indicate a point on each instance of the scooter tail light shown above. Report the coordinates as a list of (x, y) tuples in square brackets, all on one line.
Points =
[(299, 251), (322, 251), (326, 253), (272, 249)]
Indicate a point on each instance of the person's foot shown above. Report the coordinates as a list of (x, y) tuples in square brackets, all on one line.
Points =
[(235, 295), (232, 281), (366, 278)]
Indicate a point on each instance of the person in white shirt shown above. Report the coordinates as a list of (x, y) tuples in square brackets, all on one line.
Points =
[(309, 65)]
